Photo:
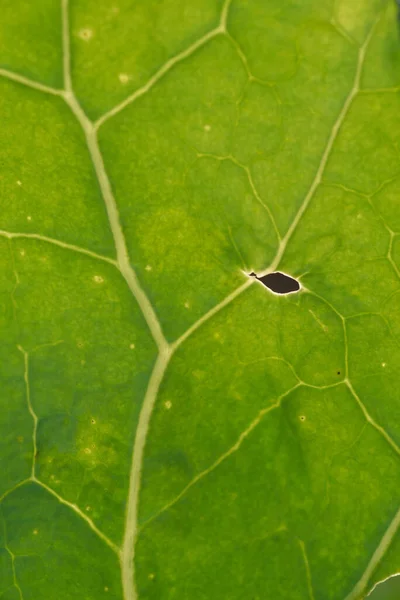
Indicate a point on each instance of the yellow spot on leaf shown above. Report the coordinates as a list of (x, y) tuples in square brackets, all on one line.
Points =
[(86, 34)]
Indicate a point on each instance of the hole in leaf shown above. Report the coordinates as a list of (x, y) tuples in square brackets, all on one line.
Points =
[(278, 282), (387, 590)]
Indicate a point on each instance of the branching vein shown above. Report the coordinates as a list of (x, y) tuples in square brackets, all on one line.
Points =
[(115, 225), (30, 408), (310, 194), (226, 454), (326, 154), (83, 516), (160, 74), (165, 350), (30, 82), (360, 588), (131, 528), (303, 550), (42, 238), (370, 420)]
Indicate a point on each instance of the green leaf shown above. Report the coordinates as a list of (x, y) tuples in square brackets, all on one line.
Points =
[(169, 427)]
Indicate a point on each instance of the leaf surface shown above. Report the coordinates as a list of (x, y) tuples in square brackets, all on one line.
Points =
[(171, 429)]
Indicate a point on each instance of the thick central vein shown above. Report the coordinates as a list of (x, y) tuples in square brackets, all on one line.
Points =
[(115, 225)]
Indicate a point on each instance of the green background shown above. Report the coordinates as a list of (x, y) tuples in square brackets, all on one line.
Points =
[(170, 429)]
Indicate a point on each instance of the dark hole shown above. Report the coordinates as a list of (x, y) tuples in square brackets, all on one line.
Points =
[(338, 372), (278, 282)]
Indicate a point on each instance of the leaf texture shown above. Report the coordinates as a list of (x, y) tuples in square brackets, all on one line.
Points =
[(169, 428)]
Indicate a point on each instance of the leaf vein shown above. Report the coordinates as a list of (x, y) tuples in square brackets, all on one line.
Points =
[(36, 236), (225, 455)]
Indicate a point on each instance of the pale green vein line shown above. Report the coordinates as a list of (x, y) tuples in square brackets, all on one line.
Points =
[(115, 225), (320, 323), (246, 169), (16, 277), (74, 507), (242, 57), (66, 46), (307, 568), (81, 514), (126, 555), (328, 386), (370, 420), (29, 82), (343, 321), (341, 31), (211, 313), (346, 350), (389, 255), (236, 248), (30, 407), (276, 358), (382, 581), (35, 236), (131, 527), (258, 197), (225, 14), (15, 487), (360, 588), (326, 154), (12, 556), (15, 581), (225, 455), (170, 64), (310, 194), (46, 345)]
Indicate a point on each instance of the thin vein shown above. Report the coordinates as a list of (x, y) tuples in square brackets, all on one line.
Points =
[(30, 408), (361, 586), (225, 455), (15, 581), (242, 57), (343, 321), (370, 420), (216, 309), (258, 197), (390, 250), (316, 181), (126, 555), (131, 523), (307, 568), (165, 352), (159, 75), (254, 190), (36, 236), (382, 581), (41, 87), (326, 154), (225, 14), (16, 277), (15, 487), (78, 511)]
